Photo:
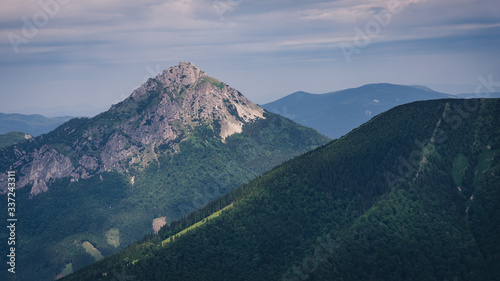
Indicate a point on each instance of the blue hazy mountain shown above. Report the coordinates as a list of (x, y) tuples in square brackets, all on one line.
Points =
[(335, 114), (495, 95), (34, 124)]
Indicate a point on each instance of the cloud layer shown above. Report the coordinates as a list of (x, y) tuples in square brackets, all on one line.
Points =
[(61, 52)]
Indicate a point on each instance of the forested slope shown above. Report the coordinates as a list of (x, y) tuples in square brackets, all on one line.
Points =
[(411, 195)]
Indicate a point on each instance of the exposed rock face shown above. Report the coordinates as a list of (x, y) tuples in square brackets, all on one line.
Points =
[(158, 223), (188, 95), (43, 166), (162, 112), (117, 148)]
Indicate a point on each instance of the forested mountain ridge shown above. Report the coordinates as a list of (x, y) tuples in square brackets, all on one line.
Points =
[(94, 185), (413, 194)]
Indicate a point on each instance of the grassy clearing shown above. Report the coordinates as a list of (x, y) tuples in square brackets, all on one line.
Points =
[(198, 224), (90, 249), (113, 237), (66, 271)]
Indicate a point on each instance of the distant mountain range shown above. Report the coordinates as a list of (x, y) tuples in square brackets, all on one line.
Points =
[(95, 185), (413, 194), (335, 114), (481, 95), (77, 110), (332, 114), (34, 124)]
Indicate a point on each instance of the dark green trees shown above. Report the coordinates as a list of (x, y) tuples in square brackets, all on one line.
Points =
[(389, 201)]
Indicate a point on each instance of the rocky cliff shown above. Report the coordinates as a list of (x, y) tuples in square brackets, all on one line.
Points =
[(154, 119)]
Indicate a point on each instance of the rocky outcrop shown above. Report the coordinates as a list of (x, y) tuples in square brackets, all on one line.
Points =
[(160, 113), (186, 96), (42, 167), (117, 150)]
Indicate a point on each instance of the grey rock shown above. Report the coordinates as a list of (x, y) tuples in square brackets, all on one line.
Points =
[(163, 111), (41, 167)]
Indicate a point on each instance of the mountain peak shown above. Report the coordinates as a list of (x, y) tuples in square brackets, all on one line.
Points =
[(184, 94), (183, 74), (162, 112)]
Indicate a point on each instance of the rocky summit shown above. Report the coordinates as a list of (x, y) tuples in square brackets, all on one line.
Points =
[(160, 113)]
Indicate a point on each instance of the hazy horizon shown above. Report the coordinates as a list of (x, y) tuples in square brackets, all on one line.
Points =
[(87, 110)]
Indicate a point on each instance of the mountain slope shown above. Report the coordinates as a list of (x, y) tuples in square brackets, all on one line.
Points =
[(13, 138), (161, 112), (33, 124), (335, 114), (93, 186), (411, 195)]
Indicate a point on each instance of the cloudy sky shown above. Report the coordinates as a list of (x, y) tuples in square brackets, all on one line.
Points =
[(61, 53)]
